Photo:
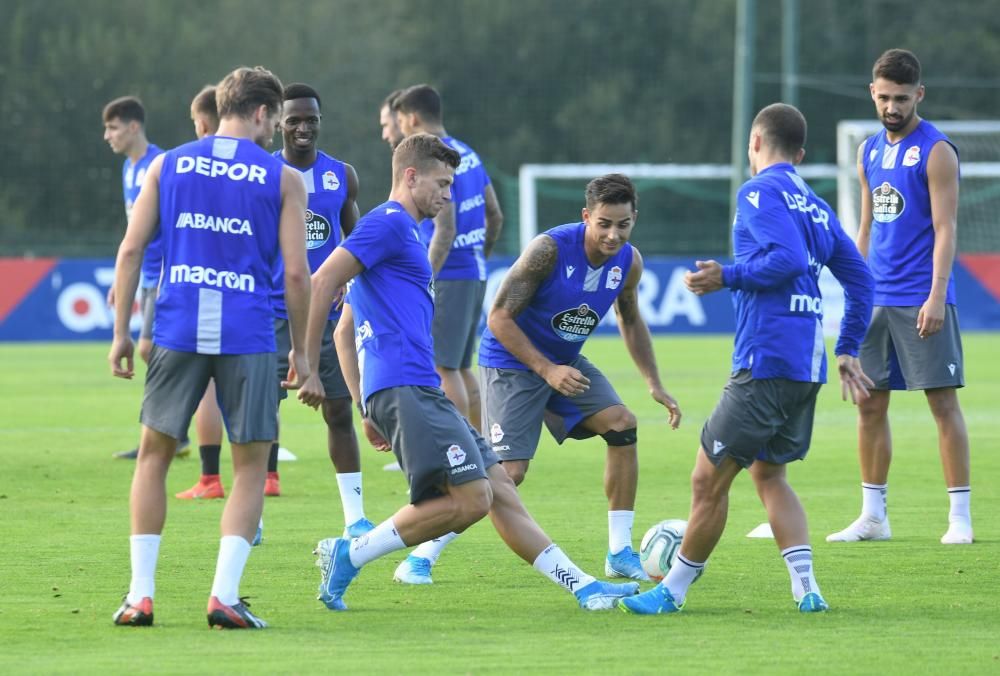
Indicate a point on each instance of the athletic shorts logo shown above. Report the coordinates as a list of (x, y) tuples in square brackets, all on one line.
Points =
[(614, 278), (951, 369), (887, 203), (330, 181), (496, 433), (575, 324), (456, 456), (717, 447), (318, 230), (912, 156)]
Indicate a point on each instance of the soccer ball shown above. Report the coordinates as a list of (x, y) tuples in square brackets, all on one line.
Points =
[(660, 545)]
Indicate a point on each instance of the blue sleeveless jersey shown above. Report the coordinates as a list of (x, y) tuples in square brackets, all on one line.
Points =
[(783, 236), (132, 177), (901, 253), (392, 301), (568, 305), (466, 259), (326, 187), (220, 203)]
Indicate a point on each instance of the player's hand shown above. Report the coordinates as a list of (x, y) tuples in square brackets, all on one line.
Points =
[(706, 280), (930, 319), (122, 348), (298, 371), (312, 393), (663, 397), (853, 380), (566, 380), (374, 437), (111, 296), (339, 297)]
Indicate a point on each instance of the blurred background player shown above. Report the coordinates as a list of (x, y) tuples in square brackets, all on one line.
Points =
[(387, 120), (453, 476), (208, 417), (332, 191), (125, 132), (783, 236), (458, 239), (227, 209), (908, 231)]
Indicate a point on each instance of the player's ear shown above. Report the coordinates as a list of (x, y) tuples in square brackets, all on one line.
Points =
[(920, 93), (799, 156), (585, 215)]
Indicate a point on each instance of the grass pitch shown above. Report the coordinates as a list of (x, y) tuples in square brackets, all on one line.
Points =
[(909, 605)]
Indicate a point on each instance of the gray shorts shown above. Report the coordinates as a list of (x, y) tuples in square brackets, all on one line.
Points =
[(516, 402), (329, 365), (244, 387), (458, 307), (432, 442), (770, 419), (147, 304), (895, 357)]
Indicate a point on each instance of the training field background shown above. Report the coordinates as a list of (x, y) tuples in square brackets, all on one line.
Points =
[(905, 606)]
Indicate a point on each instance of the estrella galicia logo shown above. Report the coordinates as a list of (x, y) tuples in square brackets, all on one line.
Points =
[(575, 323), (887, 203), (318, 230)]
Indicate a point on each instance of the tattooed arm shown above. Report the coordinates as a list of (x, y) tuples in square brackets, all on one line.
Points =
[(640, 344), (515, 294)]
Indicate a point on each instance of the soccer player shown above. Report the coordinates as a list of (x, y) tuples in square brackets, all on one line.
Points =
[(454, 479), (332, 189), (125, 132), (227, 210), (783, 236), (208, 417), (459, 240), (530, 364), (909, 218), (387, 120)]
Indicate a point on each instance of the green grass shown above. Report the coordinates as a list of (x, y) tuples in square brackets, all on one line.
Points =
[(909, 605)]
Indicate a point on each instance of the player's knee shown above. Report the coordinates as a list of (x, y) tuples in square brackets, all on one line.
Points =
[(516, 471), (474, 503), (943, 403), (704, 486), (873, 408), (338, 414), (621, 428)]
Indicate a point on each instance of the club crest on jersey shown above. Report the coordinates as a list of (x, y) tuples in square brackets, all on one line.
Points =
[(330, 181), (318, 230), (496, 433), (576, 323), (887, 203), (456, 456), (614, 278), (912, 156)]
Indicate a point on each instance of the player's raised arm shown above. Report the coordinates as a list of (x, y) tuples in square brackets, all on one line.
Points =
[(635, 331), (142, 225), (514, 295)]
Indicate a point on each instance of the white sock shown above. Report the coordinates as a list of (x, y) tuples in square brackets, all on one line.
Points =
[(432, 549), (234, 551), (620, 530), (350, 497), (959, 498), (799, 560), (144, 551), (375, 543), (873, 498), (556, 566), (680, 576)]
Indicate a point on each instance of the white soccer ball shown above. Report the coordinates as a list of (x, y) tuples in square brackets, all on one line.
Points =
[(660, 545)]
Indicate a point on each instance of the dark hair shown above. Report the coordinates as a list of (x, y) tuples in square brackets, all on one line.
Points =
[(245, 89), (204, 104), (125, 108), (611, 189), (390, 100), (420, 151), (897, 65), (782, 127), (299, 90), (421, 99)]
